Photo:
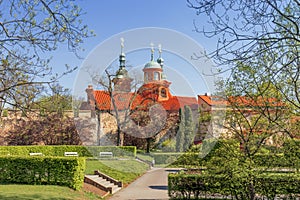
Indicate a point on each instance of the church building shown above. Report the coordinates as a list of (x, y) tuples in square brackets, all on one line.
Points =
[(120, 100)]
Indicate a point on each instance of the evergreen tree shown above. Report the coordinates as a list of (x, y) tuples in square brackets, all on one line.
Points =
[(189, 128), (180, 133)]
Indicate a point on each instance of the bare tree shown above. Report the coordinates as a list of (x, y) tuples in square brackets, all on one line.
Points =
[(28, 30), (248, 31)]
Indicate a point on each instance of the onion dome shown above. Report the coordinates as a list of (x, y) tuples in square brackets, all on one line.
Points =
[(152, 65)]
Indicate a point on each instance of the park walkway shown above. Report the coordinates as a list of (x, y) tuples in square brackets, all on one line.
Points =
[(152, 185)]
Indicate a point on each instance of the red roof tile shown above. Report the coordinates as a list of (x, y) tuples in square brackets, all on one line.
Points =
[(139, 101)]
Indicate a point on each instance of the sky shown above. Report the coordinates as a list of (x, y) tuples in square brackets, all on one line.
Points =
[(114, 19)]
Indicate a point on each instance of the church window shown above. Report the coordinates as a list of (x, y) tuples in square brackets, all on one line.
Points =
[(156, 76), (146, 77)]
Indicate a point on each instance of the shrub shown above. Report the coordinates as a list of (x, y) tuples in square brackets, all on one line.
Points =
[(165, 158), (83, 151), (5, 113), (66, 171), (118, 151), (194, 186)]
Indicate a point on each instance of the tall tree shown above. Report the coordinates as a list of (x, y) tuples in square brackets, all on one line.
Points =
[(180, 132), (185, 135), (29, 30), (189, 134)]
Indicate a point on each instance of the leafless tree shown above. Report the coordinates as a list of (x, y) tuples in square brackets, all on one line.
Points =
[(28, 31)]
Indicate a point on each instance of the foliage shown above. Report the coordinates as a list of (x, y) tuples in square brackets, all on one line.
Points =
[(189, 134), (195, 186), (228, 171), (165, 158), (48, 130), (5, 113), (185, 135), (118, 151), (52, 150), (259, 42), (29, 30), (180, 132), (43, 170), (55, 104)]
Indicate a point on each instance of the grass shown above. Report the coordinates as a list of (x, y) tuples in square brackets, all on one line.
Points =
[(122, 170), (43, 192)]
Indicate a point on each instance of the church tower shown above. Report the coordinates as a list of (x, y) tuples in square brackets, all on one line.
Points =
[(122, 81), (155, 83)]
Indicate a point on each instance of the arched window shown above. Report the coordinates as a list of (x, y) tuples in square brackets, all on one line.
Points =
[(156, 76), (163, 92), (146, 77)]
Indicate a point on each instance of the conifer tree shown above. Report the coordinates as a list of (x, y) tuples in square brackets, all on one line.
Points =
[(189, 128), (180, 133)]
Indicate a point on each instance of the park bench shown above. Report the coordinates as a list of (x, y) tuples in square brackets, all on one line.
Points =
[(71, 154), (105, 154), (36, 154)]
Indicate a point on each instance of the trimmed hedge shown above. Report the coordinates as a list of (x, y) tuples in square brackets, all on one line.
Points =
[(40, 170), (118, 151), (195, 186), (83, 151), (165, 158)]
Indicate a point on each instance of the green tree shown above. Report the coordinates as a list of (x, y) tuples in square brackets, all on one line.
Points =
[(180, 132), (189, 134), (57, 102), (29, 30), (185, 135)]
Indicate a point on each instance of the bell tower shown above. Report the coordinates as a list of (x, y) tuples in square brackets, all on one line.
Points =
[(122, 81), (155, 83)]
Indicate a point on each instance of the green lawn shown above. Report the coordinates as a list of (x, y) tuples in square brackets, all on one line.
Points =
[(122, 170), (42, 192)]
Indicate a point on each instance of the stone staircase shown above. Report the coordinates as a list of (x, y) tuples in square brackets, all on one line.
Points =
[(103, 182)]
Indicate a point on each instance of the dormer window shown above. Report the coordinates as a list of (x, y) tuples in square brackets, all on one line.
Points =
[(163, 92)]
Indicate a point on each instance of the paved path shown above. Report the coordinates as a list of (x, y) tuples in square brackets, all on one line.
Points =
[(152, 185)]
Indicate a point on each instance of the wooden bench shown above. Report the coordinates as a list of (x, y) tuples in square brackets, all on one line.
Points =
[(105, 154), (36, 154), (71, 154)]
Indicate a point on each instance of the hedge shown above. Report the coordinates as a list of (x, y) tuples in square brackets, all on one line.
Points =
[(40, 170), (195, 186), (83, 151), (118, 151), (165, 158)]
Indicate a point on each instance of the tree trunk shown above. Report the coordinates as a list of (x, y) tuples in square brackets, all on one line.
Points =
[(98, 128), (148, 145)]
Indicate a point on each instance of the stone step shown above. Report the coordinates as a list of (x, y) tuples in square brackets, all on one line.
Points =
[(103, 182)]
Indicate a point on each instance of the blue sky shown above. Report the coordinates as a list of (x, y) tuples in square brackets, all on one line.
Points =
[(110, 17)]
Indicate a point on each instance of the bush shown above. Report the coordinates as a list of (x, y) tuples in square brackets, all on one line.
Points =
[(66, 171), (5, 113), (118, 151), (165, 158), (194, 186)]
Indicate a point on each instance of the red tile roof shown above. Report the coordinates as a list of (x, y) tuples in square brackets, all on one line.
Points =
[(138, 101), (241, 101)]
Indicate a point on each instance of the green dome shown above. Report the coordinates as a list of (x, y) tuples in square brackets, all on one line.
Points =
[(122, 73), (152, 65)]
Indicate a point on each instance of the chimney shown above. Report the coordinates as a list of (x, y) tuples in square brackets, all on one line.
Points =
[(91, 99)]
